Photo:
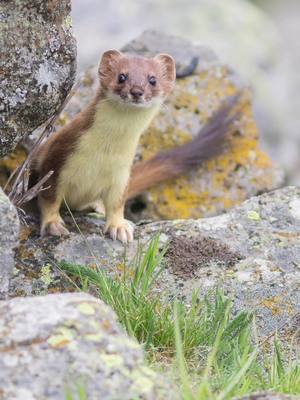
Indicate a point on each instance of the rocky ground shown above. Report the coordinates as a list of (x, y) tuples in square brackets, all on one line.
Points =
[(253, 253)]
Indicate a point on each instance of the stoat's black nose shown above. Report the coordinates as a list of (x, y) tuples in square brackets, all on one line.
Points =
[(136, 93)]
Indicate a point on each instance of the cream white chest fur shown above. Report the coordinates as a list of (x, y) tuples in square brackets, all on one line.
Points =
[(100, 164)]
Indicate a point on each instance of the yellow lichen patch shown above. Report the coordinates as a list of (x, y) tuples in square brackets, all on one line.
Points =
[(13, 160), (262, 160), (272, 304), (140, 381), (186, 100), (277, 305), (112, 360), (179, 201), (93, 337), (120, 267), (68, 22), (46, 275), (10, 162), (254, 215), (155, 140), (62, 337), (241, 170), (86, 309)]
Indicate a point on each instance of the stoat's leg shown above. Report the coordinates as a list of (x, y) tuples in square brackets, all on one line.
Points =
[(97, 206), (51, 221), (116, 225)]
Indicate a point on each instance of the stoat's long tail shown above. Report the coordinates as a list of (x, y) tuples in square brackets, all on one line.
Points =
[(172, 163)]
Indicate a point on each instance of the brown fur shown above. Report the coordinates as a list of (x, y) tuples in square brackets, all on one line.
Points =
[(53, 153), (137, 70)]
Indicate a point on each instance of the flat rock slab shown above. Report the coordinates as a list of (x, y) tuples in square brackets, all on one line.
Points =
[(55, 343), (253, 252)]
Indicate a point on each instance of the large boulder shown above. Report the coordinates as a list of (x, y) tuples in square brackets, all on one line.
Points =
[(37, 65), (57, 343), (253, 252), (9, 231)]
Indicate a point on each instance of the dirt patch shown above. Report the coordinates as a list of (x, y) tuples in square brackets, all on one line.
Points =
[(186, 255)]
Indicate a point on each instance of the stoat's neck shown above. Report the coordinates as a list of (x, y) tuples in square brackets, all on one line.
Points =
[(115, 121)]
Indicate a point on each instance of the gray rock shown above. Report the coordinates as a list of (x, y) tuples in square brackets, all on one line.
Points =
[(253, 252), (55, 343), (188, 56), (9, 230), (37, 65)]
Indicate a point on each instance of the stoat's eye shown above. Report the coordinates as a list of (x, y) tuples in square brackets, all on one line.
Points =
[(152, 80), (122, 78)]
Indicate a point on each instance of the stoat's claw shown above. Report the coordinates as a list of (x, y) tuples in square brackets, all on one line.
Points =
[(122, 231), (55, 228)]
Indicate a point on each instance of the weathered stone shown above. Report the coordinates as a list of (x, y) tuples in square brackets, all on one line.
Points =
[(253, 252), (9, 231), (189, 57), (37, 66), (55, 343), (241, 171)]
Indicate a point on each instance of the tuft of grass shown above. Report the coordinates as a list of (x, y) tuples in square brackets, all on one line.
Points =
[(150, 320), (80, 393), (211, 345)]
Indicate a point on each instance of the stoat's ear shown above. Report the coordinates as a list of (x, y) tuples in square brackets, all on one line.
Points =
[(167, 64), (108, 62)]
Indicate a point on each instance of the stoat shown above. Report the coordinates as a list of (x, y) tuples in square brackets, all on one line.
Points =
[(92, 156)]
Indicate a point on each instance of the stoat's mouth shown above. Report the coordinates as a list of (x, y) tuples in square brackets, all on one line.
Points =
[(132, 102), (141, 102)]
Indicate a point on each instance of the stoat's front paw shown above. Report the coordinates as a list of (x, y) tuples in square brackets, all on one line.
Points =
[(54, 228), (122, 231)]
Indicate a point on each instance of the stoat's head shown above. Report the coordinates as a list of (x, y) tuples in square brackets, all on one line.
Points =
[(136, 81)]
